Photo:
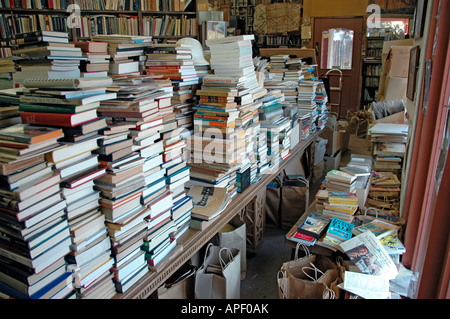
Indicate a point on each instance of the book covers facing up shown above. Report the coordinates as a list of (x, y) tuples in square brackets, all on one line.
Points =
[(46, 58), (35, 236)]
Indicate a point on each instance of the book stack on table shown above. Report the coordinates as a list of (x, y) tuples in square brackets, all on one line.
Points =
[(60, 102), (47, 55), (134, 180), (342, 205), (34, 229)]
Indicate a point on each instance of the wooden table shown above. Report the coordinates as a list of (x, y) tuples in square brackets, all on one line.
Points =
[(251, 202)]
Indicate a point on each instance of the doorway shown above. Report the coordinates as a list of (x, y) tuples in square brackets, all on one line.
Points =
[(338, 46)]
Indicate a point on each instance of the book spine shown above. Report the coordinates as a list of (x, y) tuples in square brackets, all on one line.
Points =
[(46, 108), (46, 118), (213, 99)]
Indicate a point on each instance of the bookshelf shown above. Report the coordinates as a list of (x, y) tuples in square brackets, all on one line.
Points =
[(371, 69), (175, 18)]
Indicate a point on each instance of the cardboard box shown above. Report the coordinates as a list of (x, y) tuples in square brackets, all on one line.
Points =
[(396, 88), (334, 140), (400, 61), (332, 162), (394, 118)]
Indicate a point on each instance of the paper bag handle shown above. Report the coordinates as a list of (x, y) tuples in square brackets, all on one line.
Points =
[(305, 248), (206, 253), (223, 264)]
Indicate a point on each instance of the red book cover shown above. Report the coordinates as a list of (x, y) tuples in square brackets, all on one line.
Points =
[(58, 119)]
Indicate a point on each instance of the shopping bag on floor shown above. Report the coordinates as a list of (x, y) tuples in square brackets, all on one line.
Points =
[(219, 277), (294, 201), (180, 285), (234, 235), (309, 277)]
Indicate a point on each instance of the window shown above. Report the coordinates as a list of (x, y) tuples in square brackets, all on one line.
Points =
[(337, 49)]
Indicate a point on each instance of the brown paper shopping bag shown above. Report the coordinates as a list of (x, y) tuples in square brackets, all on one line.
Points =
[(309, 277), (180, 285), (219, 275)]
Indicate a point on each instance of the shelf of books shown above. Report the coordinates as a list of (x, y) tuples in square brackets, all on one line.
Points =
[(163, 19)]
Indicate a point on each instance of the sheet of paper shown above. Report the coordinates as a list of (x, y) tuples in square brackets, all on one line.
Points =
[(366, 286)]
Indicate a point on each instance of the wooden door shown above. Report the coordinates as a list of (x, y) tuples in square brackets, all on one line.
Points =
[(350, 99)]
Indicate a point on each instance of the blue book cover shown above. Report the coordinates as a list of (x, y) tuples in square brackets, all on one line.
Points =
[(340, 228), (58, 284)]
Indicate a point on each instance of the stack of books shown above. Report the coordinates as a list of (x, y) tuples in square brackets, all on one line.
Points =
[(293, 72), (338, 231), (9, 107), (278, 67), (48, 55), (308, 71), (306, 97), (232, 56), (97, 58), (306, 120), (321, 100), (34, 230), (172, 61), (340, 181), (341, 205), (271, 110), (261, 151), (135, 179), (387, 163), (127, 53), (78, 165), (389, 139)]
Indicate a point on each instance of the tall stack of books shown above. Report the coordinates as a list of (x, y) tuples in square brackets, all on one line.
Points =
[(127, 53), (34, 230), (261, 151), (321, 100), (174, 61), (306, 119), (232, 57), (306, 97), (48, 55), (78, 165), (135, 179), (97, 58), (340, 181)]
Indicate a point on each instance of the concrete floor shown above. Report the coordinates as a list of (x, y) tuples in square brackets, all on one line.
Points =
[(262, 268)]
